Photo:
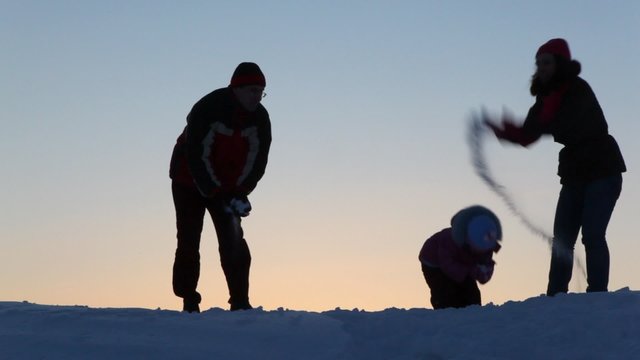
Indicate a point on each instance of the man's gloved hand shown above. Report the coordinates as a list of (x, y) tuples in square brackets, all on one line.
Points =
[(240, 206), (482, 273)]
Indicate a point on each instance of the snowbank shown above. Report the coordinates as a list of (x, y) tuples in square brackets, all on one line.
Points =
[(574, 326)]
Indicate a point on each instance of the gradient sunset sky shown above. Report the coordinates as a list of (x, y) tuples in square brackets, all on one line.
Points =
[(369, 102)]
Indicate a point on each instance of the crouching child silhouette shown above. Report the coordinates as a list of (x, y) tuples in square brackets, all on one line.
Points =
[(455, 259)]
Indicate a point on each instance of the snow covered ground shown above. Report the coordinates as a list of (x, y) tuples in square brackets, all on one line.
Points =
[(574, 326)]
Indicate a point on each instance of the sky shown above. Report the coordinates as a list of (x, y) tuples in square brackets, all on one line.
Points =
[(563, 327), (369, 103)]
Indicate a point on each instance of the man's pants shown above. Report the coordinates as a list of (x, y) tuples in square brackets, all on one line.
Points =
[(190, 208)]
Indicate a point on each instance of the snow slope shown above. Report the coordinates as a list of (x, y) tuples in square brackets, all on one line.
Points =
[(573, 326)]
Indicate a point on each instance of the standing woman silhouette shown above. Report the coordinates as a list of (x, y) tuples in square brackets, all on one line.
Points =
[(590, 164)]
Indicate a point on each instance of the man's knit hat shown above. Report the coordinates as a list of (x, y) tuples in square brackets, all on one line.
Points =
[(555, 47), (247, 73)]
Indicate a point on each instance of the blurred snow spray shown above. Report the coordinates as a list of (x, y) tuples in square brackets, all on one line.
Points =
[(476, 134)]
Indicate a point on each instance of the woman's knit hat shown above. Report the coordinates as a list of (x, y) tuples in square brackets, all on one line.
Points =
[(555, 47)]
